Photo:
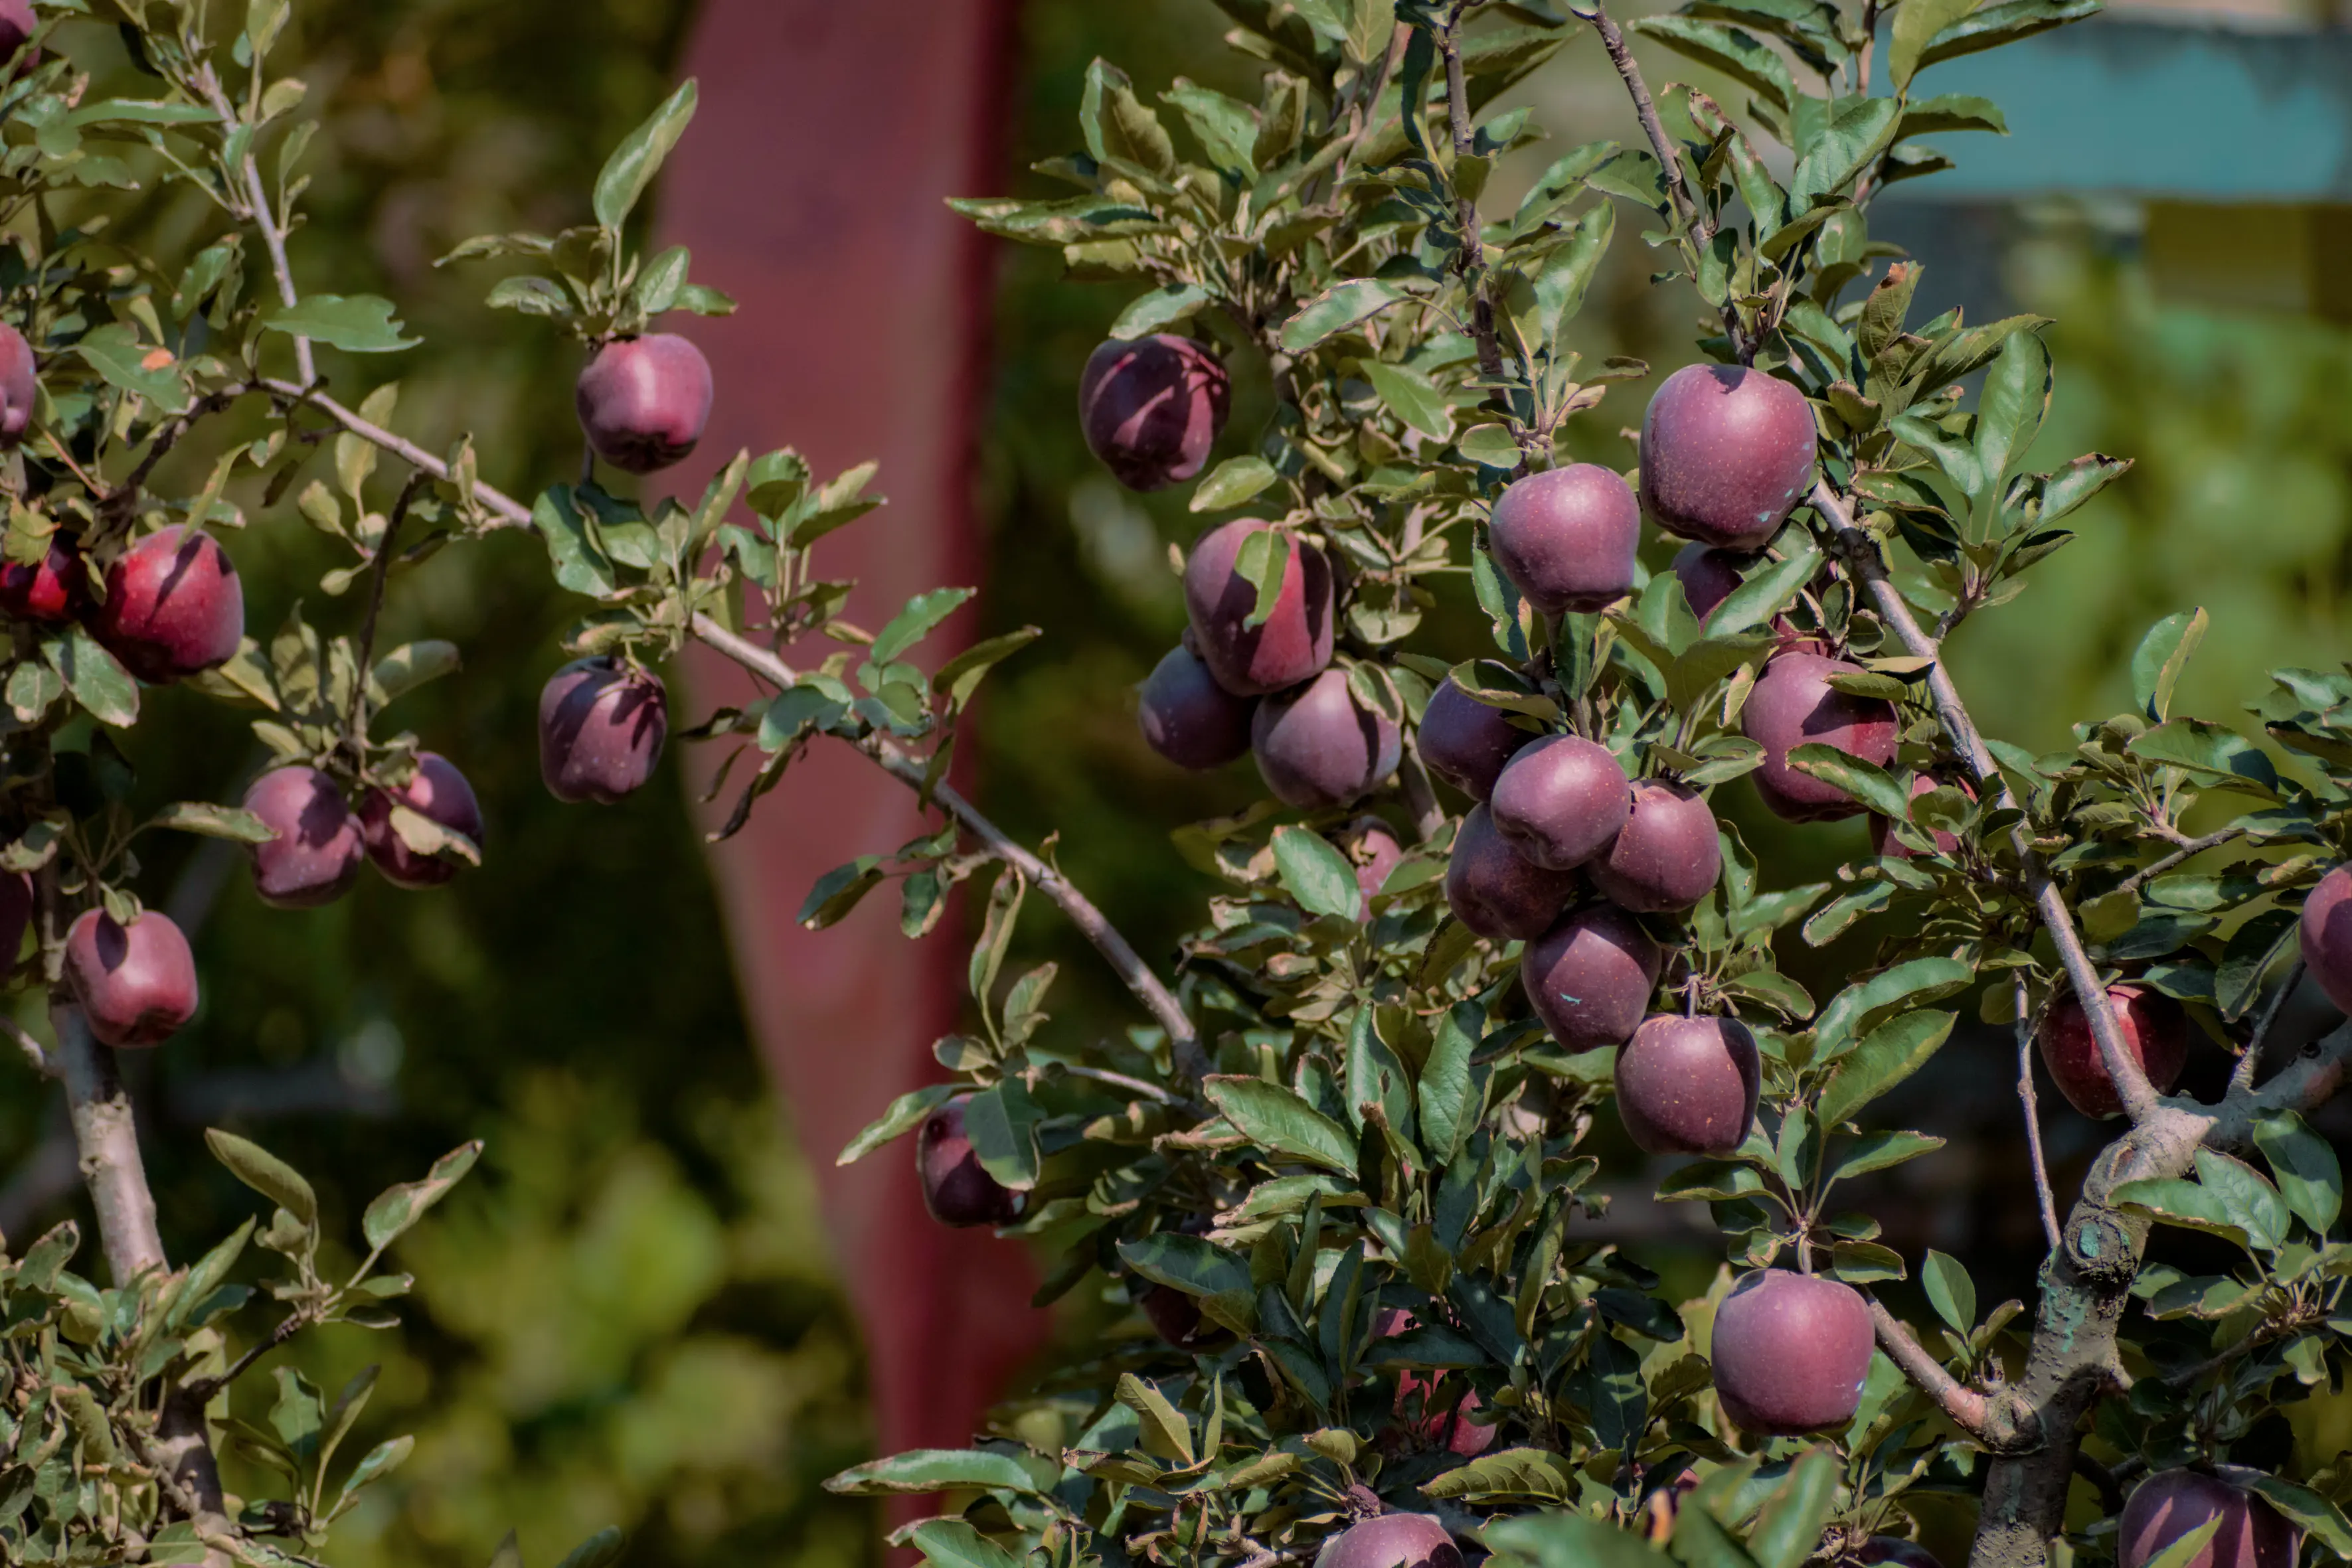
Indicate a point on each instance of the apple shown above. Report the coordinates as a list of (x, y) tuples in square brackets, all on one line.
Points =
[(1590, 977), (1392, 1541), (1374, 852), (1561, 801), (2155, 1028), (173, 606), (1666, 856), (2170, 1504), (1317, 747), (1151, 407), (643, 401), (1707, 576), (1190, 719), (1176, 1317), (1883, 840), (957, 1188), (1793, 705), (136, 983), (1687, 1086), (1451, 1429), (601, 728), (20, 378), (1566, 537), (1467, 743), (318, 849), (16, 915), (1726, 454), (437, 791), (53, 590), (1497, 894), (1294, 641), (1790, 1352), (2326, 935)]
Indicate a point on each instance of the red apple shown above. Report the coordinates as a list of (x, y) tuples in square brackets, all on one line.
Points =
[(1793, 705), (136, 984), (173, 606), (2326, 937), (1151, 408), (1561, 801), (1667, 855), (1451, 1429), (1374, 852), (1726, 454), (1566, 537), (1392, 1541), (15, 914), (1497, 894), (318, 850), (1707, 576), (20, 379), (1190, 719), (601, 728), (1883, 840), (957, 1188), (1317, 747), (1467, 743), (53, 590), (437, 791), (1790, 1353), (1688, 1085), (2170, 1504), (643, 401), (1290, 646), (1590, 977), (2154, 1027), (1176, 1317)]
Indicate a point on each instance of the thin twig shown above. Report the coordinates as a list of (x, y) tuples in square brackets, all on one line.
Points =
[(511, 512), (264, 217), (2027, 1028), (35, 1052), (1472, 261), (202, 1389), (2241, 1077), (2190, 847), (1121, 1080), (356, 726)]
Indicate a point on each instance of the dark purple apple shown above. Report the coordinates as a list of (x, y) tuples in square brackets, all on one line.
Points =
[(173, 606), (1794, 705), (1467, 743), (2170, 1504), (1688, 1085), (1883, 840), (1495, 893), (1374, 852), (1897, 1551), (1590, 976), (436, 791), (957, 1188), (2326, 937), (1290, 646), (1667, 855), (20, 381), (1726, 454), (1707, 576), (1177, 1318), (137, 984), (601, 728), (1317, 747), (1151, 408), (1561, 801), (2155, 1028), (1566, 537), (1190, 719), (1392, 1541), (643, 401), (318, 849), (53, 590), (1790, 1352), (15, 914)]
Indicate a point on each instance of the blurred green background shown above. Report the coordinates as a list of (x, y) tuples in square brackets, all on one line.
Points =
[(626, 1315)]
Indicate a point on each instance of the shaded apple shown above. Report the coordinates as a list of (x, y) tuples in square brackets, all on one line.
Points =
[(53, 590), (1688, 1085), (1392, 1541), (1317, 747), (173, 606), (1467, 743), (1561, 801), (1790, 1353), (1590, 977), (1896, 1550), (601, 728), (1666, 856), (1793, 705), (15, 916), (2326, 935), (1151, 408), (136, 983), (2155, 1028), (1177, 1318), (1373, 850), (1290, 646), (643, 401), (1726, 454), (1190, 719), (20, 378), (318, 849), (957, 1188), (1566, 537), (1707, 576), (1450, 1429), (437, 791), (1883, 840), (2170, 1504), (1495, 891)]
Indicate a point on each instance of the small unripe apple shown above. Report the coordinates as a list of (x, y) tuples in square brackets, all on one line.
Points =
[(1566, 537), (601, 728), (2170, 1504), (1688, 1085), (1392, 1541), (1561, 801), (1726, 454), (1883, 840), (1790, 1352), (1374, 852), (318, 849), (20, 379), (1896, 1550), (1590, 976), (1291, 646), (16, 915), (1151, 408), (52, 590), (1666, 856), (1317, 747), (437, 791), (1794, 705), (173, 606), (2155, 1028), (1177, 1318), (643, 401), (136, 983), (2326, 936), (1190, 719), (957, 1188), (1495, 891), (1707, 576), (1467, 743)]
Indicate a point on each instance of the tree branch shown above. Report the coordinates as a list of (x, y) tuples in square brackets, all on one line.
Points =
[(107, 1140), (2190, 847), (2241, 1077), (264, 216), (1967, 1409), (1471, 264), (2028, 1025)]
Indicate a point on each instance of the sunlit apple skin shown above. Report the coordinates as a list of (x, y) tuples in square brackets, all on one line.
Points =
[(2154, 1027), (957, 1188), (1392, 1541), (2326, 935), (173, 606), (1151, 408), (1566, 537), (1495, 891), (435, 791), (1590, 977), (643, 401), (1793, 705), (1293, 643), (1688, 1085), (1188, 718), (1317, 747), (1467, 743), (318, 850), (2170, 1504), (1667, 855), (1726, 454), (1561, 801), (601, 728), (1883, 840), (136, 984), (16, 915), (1374, 852), (19, 376), (1790, 1353), (51, 590), (1896, 1552)]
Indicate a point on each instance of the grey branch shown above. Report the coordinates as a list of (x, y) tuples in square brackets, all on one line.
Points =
[(107, 1140), (264, 215)]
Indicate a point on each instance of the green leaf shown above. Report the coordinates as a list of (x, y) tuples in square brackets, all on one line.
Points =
[(1562, 181), (412, 664), (1866, 782), (1118, 125), (1765, 591), (1949, 1290), (1316, 873), (1951, 111), (1491, 445), (1159, 309), (1002, 1121), (357, 324), (1166, 1434), (636, 162), (1193, 1264), (572, 548), (1916, 23), (1231, 483), (1279, 1121), (2222, 755), (598, 1550), (398, 1208), (1881, 1151), (2308, 1511), (904, 1115), (1994, 25), (935, 1470), (1336, 308), (210, 821), (1741, 56), (266, 1173), (114, 351), (953, 1543), (1562, 1540), (2010, 408), (2310, 1178), (1791, 1524), (1567, 272), (2162, 654), (2247, 1197), (1444, 1091), (2188, 1204), (1263, 560), (1887, 1056), (961, 675), (915, 621), (1412, 396), (838, 891)]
